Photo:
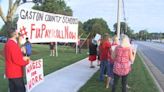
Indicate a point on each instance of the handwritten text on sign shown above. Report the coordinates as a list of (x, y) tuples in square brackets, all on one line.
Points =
[(40, 26), (34, 73)]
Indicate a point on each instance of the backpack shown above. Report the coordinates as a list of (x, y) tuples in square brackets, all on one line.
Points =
[(28, 48)]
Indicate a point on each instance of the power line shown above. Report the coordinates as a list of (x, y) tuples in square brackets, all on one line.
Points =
[(123, 7), (124, 15)]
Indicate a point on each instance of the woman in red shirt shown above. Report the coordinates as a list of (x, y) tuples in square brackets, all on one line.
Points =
[(115, 43), (123, 55), (104, 56), (14, 63)]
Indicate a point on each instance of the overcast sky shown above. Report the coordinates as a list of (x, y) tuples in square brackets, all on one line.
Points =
[(140, 14)]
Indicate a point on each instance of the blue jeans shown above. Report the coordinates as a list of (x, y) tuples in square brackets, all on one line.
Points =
[(110, 70), (104, 65)]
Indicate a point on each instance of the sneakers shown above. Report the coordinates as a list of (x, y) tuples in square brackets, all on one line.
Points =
[(107, 86), (52, 55), (127, 86), (92, 66)]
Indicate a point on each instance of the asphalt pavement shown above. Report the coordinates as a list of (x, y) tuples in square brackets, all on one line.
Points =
[(153, 56)]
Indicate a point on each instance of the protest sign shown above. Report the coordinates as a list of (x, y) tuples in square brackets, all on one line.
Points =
[(41, 27), (97, 37), (34, 74)]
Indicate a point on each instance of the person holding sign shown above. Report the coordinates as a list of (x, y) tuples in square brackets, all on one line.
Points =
[(14, 63), (92, 52)]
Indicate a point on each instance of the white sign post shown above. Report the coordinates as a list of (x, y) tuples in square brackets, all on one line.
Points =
[(34, 74)]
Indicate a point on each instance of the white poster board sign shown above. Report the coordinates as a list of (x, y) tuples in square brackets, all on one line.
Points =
[(97, 37), (34, 74), (44, 27)]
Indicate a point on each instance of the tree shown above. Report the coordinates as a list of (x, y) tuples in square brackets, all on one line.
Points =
[(143, 34), (11, 10), (125, 29), (81, 30), (5, 27), (96, 25), (55, 6)]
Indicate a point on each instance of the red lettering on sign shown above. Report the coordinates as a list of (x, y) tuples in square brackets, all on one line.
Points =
[(32, 29), (35, 80), (33, 65), (69, 34), (38, 35), (43, 29), (33, 73), (47, 34), (66, 32)]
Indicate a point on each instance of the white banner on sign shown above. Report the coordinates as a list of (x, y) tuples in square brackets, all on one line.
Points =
[(42, 27), (34, 74)]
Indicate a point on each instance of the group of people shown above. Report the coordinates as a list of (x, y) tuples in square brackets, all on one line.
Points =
[(115, 57), (17, 56)]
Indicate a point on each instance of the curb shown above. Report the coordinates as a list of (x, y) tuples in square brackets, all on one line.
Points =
[(144, 59)]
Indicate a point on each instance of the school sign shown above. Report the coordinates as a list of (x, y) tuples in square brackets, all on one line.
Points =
[(42, 27)]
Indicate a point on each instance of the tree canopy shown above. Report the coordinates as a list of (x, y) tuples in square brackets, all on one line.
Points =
[(96, 25), (55, 6), (125, 29), (8, 19)]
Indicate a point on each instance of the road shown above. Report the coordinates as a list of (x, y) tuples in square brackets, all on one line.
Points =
[(154, 54)]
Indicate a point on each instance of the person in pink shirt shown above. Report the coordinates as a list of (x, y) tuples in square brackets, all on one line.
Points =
[(123, 56)]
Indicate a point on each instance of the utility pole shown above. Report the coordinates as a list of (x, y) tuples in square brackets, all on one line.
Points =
[(126, 26), (118, 18)]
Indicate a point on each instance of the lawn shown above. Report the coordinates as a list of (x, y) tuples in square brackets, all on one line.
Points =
[(139, 80), (66, 56)]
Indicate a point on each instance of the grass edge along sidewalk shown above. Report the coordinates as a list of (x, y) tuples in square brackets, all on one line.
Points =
[(152, 69), (139, 80), (66, 57)]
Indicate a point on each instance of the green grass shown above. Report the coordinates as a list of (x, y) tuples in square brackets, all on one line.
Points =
[(139, 80), (66, 56)]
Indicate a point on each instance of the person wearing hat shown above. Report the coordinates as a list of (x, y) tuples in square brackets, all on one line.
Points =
[(14, 63)]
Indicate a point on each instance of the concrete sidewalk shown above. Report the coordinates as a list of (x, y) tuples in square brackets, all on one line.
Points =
[(68, 79)]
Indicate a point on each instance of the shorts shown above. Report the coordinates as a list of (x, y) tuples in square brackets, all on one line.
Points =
[(92, 58)]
